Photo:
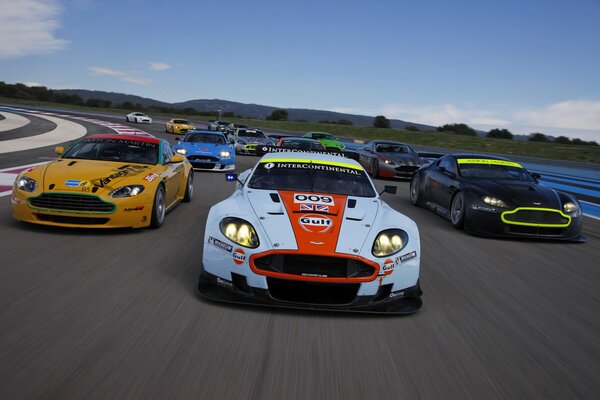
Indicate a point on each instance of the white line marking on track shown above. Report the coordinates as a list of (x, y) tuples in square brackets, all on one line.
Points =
[(12, 121)]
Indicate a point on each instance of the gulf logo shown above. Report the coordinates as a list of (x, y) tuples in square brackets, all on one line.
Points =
[(315, 223), (388, 266), (239, 256)]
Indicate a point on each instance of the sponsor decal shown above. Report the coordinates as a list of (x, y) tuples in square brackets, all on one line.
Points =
[(314, 207), (271, 149), (317, 167), (125, 170), (224, 282), (388, 266), (220, 245), (72, 183), (122, 141), (317, 199), (488, 161), (315, 223), (312, 275), (137, 208), (396, 294), (321, 208), (239, 256), (405, 257), (150, 177)]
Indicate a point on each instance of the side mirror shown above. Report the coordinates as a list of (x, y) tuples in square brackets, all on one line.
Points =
[(59, 150), (177, 159), (389, 189)]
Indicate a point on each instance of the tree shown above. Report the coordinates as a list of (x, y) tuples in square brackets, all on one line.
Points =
[(411, 128), (344, 122), (278, 115), (500, 134), (381, 122), (537, 137), (562, 140), (459, 129)]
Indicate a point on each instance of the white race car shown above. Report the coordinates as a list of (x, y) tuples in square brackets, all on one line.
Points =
[(310, 231), (138, 117)]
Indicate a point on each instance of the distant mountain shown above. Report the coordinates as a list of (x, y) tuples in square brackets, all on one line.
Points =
[(246, 110)]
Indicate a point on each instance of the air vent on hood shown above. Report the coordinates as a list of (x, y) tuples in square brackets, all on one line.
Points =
[(519, 187), (351, 203), (275, 197), (72, 163)]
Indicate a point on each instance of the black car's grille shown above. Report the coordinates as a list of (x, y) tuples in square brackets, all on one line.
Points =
[(203, 159), (71, 202), (67, 219), (311, 292), (541, 217), (314, 266)]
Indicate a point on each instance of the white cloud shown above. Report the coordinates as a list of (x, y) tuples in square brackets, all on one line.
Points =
[(27, 27), (158, 66), (124, 76), (573, 114)]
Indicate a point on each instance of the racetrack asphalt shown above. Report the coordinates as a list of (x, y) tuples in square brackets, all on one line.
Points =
[(115, 314)]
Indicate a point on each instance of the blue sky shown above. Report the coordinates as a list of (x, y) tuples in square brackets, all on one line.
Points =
[(523, 65)]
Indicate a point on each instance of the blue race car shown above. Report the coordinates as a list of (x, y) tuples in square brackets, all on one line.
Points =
[(207, 150)]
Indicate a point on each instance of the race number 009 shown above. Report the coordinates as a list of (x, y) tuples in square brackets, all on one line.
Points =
[(313, 199)]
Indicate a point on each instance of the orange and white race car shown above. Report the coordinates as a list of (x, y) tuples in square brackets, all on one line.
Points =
[(310, 231)]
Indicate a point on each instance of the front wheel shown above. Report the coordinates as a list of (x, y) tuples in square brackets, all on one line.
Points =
[(189, 188), (457, 210), (415, 190), (158, 210), (375, 169)]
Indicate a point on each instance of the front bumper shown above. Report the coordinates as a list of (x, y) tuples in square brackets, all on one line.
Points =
[(127, 214), (486, 223), (397, 171), (309, 295)]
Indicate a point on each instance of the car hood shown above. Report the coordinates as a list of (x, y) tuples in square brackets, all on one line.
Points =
[(521, 194), (72, 175), (314, 223), (248, 139)]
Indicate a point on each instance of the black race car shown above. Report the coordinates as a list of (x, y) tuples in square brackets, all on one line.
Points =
[(494, 196)]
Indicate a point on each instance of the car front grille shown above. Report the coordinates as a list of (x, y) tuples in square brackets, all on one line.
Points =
[(203, 159), (537, 217), (71, 202), (312, 292), (310, 266), (67, 219)]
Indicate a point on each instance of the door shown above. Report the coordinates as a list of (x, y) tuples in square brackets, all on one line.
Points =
[(172, 174)]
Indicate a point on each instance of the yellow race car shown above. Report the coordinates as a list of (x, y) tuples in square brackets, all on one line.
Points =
[(178, 126), (105, 181)]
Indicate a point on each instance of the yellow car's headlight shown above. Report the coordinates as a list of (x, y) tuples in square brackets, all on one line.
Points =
[(239, 231), (26, 184), (389, 242), (126, 191)]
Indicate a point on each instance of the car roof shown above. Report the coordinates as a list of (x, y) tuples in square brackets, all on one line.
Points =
[(475, 155), (300, 139), (138, 138), (204, 131), (315, 158), (387, 142)]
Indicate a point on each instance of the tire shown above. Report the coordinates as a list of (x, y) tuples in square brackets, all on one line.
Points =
[(375, 169), (189, 188), (159, 208), (415, 190), (457, 210)]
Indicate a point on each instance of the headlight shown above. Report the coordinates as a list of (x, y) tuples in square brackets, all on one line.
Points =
[(224, 154), (241, 142), (127, 191), (183, 152), (26, 184), (390, 162), (492, 201), (239, 231), (389, 242), (570, 207)]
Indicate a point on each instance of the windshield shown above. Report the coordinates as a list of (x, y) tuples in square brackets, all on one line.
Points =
[(204, 138), (180, 121), (323, 136), (503, 171), (114, 150), (312, 177), (256, 134), (393, 148), (302, 144)]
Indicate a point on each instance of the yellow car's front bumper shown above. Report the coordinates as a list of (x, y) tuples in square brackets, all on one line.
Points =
[(134, 212)]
